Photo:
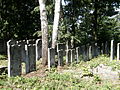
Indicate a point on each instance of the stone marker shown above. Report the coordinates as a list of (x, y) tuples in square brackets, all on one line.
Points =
[(118, 51), (51, 57), (38, 49), (60, 58), (112, 51)]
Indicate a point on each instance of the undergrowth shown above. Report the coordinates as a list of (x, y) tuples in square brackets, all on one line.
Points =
[(64, 81)]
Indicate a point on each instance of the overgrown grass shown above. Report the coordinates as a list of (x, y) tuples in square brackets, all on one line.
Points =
[(64, 81), (103, 59)]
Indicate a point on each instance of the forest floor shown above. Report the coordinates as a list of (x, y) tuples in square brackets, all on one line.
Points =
[(73, 77)]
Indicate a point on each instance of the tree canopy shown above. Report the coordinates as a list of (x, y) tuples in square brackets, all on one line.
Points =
[(81, 20)]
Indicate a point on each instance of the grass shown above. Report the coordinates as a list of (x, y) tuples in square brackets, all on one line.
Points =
[(54, 80), (3, 60)]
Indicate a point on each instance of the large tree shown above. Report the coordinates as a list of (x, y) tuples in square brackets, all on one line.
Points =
[(44, 28)]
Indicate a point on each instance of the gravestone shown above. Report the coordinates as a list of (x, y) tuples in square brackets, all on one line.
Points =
[(38, 49), (51, 57), (14, 59), (32, 57), (60, 58)]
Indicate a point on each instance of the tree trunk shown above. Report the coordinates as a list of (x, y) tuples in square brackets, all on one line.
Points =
[(56, 22), (44, 28)]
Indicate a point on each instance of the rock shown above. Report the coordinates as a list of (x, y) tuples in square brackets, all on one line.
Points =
[(106, 72)]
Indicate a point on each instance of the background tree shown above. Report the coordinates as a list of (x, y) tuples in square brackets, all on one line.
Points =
[(56, 22)]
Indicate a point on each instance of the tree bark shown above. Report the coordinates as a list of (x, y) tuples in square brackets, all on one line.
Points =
[(44, 29), (56, 22)]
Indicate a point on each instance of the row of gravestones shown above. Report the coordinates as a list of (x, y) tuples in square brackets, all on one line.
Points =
[(29, 51), (85, 52), (23, 51)]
